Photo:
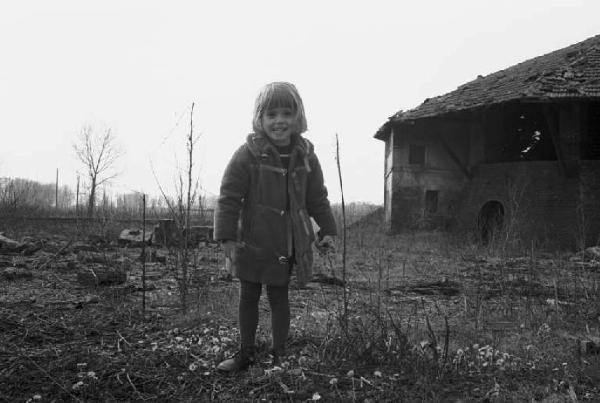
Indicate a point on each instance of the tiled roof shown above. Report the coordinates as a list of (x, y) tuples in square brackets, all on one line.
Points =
[(571, 72)]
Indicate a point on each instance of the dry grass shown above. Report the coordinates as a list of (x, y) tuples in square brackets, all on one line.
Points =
[(433, 317)]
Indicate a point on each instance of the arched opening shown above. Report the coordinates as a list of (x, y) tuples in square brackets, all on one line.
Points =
[(490, 221)]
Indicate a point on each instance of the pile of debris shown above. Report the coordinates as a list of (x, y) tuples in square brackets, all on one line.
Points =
[(167, 234), (19, 260)]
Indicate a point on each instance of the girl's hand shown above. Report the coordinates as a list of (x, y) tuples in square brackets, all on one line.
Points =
[(326, 244)]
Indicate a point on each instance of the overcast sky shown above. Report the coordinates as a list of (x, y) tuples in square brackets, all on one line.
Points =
[(137, 66)]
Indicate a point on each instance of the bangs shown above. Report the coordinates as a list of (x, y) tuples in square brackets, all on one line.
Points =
[(279, 96)]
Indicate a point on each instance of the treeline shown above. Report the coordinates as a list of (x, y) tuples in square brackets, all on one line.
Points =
[(28, 197), (20, 195), (25, 197)]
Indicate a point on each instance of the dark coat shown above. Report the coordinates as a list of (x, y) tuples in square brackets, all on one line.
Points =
[(253, 208)]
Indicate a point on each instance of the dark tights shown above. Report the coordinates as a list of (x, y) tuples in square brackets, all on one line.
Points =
[(248, 313)]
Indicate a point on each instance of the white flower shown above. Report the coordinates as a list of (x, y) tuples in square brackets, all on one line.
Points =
[(350, 373), (92, 374), (37, 397), (193, 367), (333, 381), (77, 385), (316, 396), (377, 374)]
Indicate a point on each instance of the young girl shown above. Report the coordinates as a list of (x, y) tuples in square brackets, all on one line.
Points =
[(270, 189)]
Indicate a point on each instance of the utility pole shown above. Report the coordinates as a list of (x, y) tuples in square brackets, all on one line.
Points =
[(144, 255)]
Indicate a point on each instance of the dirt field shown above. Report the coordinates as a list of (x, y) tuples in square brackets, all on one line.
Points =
[(425, 317)]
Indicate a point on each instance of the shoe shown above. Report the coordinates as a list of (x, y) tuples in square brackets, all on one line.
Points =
[(239, 362), (277, 354)]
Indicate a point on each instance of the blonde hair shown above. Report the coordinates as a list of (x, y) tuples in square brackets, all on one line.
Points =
[(279, 94)]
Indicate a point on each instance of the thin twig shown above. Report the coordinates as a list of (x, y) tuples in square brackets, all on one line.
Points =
[(134, 388), (337, 153), (49, 376), (446, 339), (123, 338)]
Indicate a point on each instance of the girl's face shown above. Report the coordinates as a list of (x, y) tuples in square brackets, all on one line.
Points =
[(278, 123)]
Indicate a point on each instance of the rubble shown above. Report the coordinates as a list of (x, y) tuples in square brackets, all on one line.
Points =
[(133, 237), (166, 233), (8, 244), (27, 247)]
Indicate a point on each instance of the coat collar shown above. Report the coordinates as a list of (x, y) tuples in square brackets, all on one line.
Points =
[(259, 144)]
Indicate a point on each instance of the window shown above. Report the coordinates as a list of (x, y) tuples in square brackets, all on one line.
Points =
[(431, 201), (416, 154), (524, 135)]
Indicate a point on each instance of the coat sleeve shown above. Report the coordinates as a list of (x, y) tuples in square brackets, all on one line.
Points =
[(317, 203), (233, 192)]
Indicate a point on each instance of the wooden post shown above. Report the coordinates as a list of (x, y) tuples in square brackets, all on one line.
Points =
[(56, 193), (144, 255), (550, 114)]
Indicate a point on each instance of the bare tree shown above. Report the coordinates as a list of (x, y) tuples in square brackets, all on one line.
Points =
[(98, 152), (180, 208)]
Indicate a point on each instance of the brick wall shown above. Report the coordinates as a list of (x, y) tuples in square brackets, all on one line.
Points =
[(539, 201)]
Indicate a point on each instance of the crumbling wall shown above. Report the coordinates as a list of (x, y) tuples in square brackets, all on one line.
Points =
[(440, 172)]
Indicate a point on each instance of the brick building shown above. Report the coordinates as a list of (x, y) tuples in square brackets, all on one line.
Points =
[(515, 151)]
